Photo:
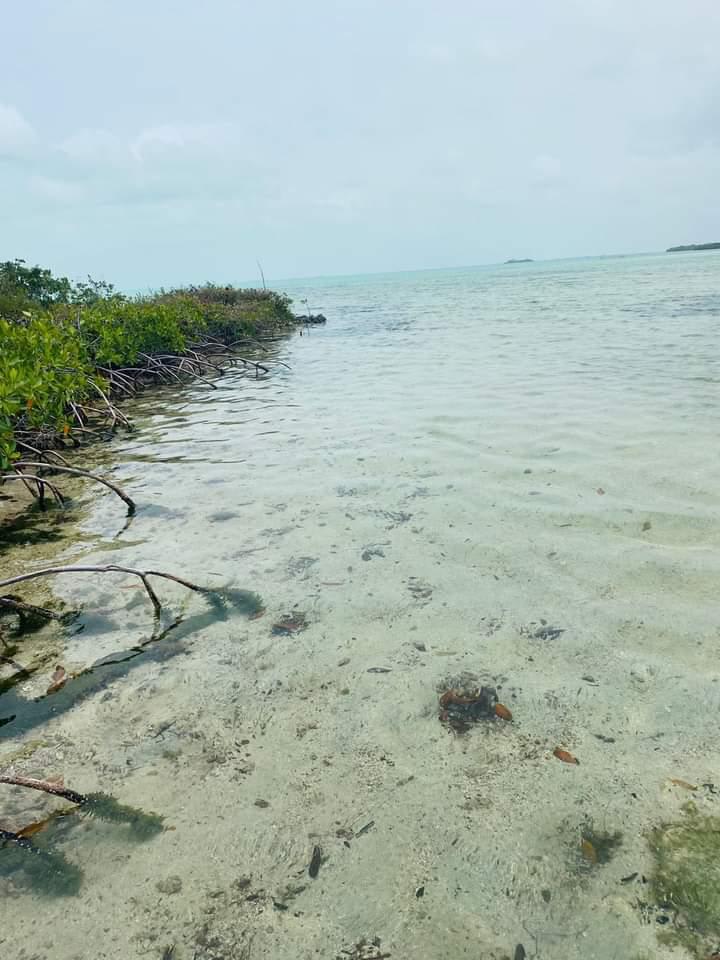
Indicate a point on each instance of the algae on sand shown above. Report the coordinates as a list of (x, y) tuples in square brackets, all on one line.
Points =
[(686, 879), (597, 846)]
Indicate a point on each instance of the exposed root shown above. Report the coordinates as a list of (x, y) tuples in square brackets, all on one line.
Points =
[(42, 483), (82, 473), (110, 568), (42, 454)]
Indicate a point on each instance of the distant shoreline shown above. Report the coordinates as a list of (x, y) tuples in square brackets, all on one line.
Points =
[(693, 246)]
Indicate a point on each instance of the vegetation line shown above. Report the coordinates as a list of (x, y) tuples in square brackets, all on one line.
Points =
[(69, 351)]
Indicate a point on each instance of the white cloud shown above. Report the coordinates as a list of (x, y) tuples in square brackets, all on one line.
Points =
[(56, 191), (16, 134), (172, 137)]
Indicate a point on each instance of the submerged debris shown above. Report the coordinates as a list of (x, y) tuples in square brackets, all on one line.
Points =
[(58, 679), (548, 632), (290, 623), (364, 950), (460, 708), (246, 602), (598, 846), (373, 550), (315, 862)]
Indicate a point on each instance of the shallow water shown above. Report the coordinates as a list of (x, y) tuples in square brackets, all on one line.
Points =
[(504, 472)]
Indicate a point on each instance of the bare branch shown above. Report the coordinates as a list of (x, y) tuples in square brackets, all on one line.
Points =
[(46, 786)]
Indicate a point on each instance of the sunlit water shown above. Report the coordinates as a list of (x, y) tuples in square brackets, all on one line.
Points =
[(508, 473)]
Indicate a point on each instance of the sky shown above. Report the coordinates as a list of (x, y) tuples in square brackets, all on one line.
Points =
[(157, 142)]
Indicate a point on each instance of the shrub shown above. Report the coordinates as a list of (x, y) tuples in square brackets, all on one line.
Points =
[(44, 368), (231, 313), (118, 332)]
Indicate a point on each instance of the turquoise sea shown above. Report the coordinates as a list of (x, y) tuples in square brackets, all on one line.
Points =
[(501, 477)]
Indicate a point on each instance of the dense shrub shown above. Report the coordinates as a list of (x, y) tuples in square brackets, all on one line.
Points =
[(117, 333), (44, 368), (231, 313)]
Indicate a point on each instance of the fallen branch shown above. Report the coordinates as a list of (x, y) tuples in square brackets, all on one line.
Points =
[(46, 786), (82, 473), (110, 568), (29, 608)]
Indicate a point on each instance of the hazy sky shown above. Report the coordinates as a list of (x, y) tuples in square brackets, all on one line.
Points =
[(158, 141)]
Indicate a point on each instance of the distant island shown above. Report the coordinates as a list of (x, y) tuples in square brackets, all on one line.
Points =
[(693, 246), (528, 260)]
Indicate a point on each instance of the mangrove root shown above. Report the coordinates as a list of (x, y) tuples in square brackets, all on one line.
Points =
[(110, 568), (41, 483), (81, 473)]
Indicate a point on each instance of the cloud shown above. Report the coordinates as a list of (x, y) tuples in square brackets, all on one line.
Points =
[(16, 134), (345, 137)]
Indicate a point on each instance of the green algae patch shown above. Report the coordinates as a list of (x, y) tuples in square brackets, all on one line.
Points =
[(686, 880), (246, 602), (143, 825)]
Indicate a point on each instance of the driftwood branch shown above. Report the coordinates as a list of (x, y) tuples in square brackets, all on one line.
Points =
[(46, 786), (110, 568), (81, 473)]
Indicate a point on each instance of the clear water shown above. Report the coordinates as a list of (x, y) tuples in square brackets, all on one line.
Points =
[(503, 476)]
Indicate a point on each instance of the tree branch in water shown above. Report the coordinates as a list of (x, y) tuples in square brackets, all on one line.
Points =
[(110, 568)]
